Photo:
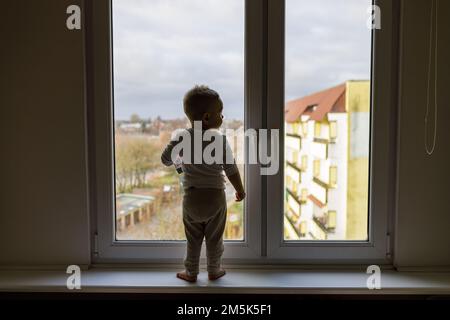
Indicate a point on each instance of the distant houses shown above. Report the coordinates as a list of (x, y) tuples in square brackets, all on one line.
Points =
[(130, 127), (149, 126)]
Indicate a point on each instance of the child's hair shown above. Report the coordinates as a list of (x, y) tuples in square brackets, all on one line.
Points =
[(198, 100)]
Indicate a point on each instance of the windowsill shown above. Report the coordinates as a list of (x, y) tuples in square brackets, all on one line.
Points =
[(236, 281)]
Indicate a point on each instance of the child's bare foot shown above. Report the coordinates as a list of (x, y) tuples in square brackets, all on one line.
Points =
[(183, 275), (215, 276)]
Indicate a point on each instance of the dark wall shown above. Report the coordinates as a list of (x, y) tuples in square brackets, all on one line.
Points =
[(43, 217), (423, 221)]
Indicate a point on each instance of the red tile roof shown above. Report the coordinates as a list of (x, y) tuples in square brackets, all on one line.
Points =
[(329, 100)]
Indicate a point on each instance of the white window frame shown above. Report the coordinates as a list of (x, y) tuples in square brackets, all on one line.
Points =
[(100, 113), (264, 108), (382, 159)]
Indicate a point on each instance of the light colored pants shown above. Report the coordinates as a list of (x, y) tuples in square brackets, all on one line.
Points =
[(204, 216)]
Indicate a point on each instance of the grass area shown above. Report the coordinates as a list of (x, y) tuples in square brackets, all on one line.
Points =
[(170, 177)]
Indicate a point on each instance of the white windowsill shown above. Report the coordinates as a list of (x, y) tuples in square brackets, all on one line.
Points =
[(236, 281)]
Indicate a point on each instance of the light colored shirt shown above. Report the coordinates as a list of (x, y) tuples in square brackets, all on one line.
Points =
[(200, 170)]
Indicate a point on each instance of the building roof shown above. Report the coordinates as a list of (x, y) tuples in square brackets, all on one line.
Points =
[(317, 105)]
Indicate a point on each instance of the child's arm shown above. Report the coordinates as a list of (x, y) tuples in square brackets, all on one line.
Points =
[(166, 156), (232, 172), (236, 181)]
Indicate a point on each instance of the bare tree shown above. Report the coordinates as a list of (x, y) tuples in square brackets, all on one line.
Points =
[(135, 157)]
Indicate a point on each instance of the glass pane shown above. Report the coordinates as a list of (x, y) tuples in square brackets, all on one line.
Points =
[(327, 116), (161, 49)]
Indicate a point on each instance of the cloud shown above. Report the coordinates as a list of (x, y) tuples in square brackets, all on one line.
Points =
[(163, 47), (327, 42)]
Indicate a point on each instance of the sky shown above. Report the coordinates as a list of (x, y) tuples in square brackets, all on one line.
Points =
[(162, 48)]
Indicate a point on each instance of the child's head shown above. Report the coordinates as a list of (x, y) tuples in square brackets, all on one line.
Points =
[(203, 104)]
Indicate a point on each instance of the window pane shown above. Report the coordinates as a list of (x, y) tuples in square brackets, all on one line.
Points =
[(327, 90), (161, 49)]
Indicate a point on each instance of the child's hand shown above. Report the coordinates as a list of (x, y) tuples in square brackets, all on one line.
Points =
[(240, 196)]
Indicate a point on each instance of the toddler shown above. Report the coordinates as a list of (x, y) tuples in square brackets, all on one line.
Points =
[(204, 200)]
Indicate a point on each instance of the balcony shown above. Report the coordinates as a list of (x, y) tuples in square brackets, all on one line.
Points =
[(321, 140), (328, 179), (319, 192), (292, 217), (290, 231), (327, 222), (325, 132), (293, 204), (294, 174), (295, 166), (300, 200), (321, 183), (317, 231), (296, 229)]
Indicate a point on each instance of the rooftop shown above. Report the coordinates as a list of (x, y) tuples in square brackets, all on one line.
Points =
[(317, 105), (127, 202)]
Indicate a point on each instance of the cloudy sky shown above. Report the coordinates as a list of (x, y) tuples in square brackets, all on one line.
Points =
[(163, 47)]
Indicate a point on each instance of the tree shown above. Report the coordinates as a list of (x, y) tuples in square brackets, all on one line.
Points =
[(135, 118), (135, 157)]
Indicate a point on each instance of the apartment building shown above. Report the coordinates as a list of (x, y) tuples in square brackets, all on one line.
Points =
[(326, 164)]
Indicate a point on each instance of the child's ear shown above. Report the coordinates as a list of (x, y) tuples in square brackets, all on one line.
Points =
[(206, 116)]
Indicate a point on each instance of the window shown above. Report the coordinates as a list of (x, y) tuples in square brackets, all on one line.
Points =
[(331, 220), (317, 129), (157, 54), (304, 195), (295, 126), (303, 228), (295, 158), (333, 130), (333, 175), (305, 128), (155, 62), (345, 99), (332, 74), (288, 216), (304, 165), (316, 168)]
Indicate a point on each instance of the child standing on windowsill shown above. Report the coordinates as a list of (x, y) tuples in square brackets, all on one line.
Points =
[(204, 201)]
